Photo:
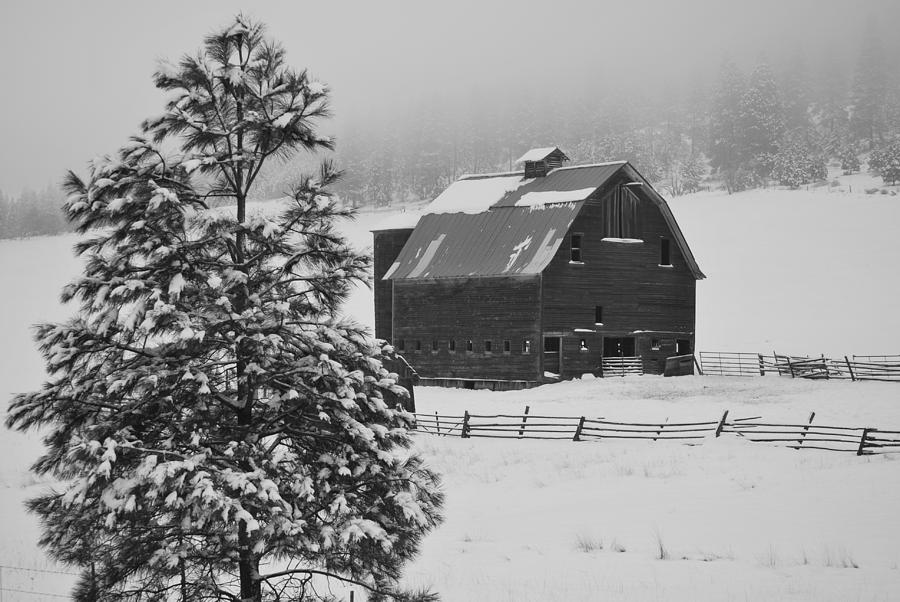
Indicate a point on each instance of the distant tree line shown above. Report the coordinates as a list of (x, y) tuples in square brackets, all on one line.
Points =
[(780, 123), (33, 213)]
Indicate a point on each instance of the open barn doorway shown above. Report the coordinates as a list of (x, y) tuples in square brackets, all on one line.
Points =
[(552, 354), (618, 346)]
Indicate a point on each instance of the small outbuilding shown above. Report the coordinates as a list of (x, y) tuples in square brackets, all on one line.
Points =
[(514, 279)]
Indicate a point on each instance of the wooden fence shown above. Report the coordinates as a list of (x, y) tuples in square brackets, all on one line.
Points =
[(621, 366), (861, 367), (809, 435)]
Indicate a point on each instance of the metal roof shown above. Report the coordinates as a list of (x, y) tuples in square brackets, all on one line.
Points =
[(500, 242), (560, 184)]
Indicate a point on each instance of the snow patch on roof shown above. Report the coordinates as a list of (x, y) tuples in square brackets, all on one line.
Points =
[(545, 252), (399, 221), (474, 195), (532, 199), (426, 258), (517, 250), (583, 166)]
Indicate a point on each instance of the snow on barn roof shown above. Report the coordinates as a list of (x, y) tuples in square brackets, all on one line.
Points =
[(539, 154), (561, 185), (476, 193), (471, 193)]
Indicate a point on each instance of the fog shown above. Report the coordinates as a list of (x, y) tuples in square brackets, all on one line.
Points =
[(76, 76)]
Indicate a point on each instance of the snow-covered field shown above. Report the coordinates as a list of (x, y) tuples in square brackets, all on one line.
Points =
[(800, 272)]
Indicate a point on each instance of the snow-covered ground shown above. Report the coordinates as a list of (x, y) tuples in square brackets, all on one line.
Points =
[(797, 271)]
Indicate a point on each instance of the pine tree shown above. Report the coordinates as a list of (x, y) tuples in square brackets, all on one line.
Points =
[(885, 162), (761, 120), (849, 159), (726, 143), (868, 94), (795, 88), (796, 164), (217, 431)]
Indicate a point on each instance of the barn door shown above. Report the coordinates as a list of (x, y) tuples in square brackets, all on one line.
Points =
[(618, 346), (552, 353)]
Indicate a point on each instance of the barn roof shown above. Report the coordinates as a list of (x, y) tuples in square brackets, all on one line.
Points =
[(504, 224), (561, 185), (500, 242)]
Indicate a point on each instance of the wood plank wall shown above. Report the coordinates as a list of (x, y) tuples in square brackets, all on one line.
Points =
[(387, 246), (477, 309)]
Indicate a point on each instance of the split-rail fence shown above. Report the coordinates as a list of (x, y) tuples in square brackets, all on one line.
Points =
[(807, 435), (855, 368)]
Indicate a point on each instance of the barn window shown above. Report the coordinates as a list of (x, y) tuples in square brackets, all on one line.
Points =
[(598, 315), (526, 346), (488, 346), (451, 345), (654, 344), (576, 248), (506, 346), (470, 346), (418, 345), (665, 256), (401, 345), (621, 214), (434, 345)]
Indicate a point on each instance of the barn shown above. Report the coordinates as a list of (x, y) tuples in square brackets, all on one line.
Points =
[(510, 280)]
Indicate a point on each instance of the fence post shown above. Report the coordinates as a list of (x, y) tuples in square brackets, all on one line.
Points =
[(762, 365), (577, 436), (790, 365), (524, 418), (862, 441), (850, 368), (721, 423), (696, 363), (661, 427), (805, 429), (825, 365), (465, 427), (437, 422)]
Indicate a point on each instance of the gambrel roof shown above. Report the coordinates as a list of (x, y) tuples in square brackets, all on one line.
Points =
[(505, 225)]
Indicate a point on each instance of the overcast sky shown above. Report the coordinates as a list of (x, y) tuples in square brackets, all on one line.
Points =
[(76, 75)]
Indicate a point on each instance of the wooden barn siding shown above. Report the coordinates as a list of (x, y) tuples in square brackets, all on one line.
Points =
[(469, 308), (387, 247), (624, 278)]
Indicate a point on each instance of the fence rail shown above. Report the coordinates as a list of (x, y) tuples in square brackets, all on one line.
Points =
[(808, 435), (861, 367)]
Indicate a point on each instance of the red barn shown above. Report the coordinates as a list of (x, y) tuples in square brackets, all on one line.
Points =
[(513, 279)]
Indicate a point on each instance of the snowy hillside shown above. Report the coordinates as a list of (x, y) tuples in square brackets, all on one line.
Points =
[(796, 271)]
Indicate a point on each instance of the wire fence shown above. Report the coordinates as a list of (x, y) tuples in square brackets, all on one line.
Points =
[(854, 368), (28, 583), (808, 435)]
